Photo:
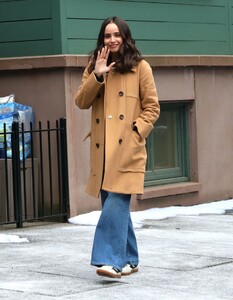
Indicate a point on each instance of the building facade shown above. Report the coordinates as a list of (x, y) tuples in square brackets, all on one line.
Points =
[(44, 47)]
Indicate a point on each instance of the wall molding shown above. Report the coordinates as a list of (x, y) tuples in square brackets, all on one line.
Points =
[(80, 61)]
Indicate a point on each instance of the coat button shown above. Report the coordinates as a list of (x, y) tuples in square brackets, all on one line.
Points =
[(121, 94), (97, 121), (97, 145), (109, 116), (121, 117), (120, 141)]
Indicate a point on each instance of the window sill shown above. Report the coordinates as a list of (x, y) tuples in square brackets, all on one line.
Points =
[(170, 189)]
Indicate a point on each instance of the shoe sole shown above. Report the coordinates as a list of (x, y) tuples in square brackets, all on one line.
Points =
[(135, 270), (107, 274)]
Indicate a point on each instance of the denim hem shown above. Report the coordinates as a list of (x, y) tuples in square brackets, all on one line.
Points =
[(134, 263), (106, 264)]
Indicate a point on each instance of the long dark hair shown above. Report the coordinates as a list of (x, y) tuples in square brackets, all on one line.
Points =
[(128, 56)]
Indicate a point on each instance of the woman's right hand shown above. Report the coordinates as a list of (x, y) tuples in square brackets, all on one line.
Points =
[(101, 62)]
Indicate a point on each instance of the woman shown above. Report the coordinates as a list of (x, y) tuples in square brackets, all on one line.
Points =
[(119, 86)]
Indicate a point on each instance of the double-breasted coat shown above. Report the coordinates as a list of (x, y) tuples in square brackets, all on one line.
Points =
[(124, 109)]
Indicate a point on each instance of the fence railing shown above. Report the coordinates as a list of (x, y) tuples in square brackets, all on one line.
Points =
[(34, 186)]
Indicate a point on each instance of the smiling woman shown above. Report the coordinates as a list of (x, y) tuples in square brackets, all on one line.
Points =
[(116, 36), (119, 86)]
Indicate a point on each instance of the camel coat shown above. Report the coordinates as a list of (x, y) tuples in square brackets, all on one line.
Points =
[(121, 104)]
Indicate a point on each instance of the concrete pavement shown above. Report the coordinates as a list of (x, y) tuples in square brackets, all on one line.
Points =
[(187, 257)]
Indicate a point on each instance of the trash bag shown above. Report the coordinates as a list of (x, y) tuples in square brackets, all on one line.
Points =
[(10, 112), (7, 99)]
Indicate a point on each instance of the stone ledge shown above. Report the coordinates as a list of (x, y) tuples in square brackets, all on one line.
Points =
[(38, 62), (170, 189), (190, 60), (80, 61)]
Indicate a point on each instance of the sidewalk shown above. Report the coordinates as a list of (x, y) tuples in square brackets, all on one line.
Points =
[(188, 257)]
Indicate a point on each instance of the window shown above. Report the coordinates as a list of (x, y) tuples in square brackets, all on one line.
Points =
[(168, 146)]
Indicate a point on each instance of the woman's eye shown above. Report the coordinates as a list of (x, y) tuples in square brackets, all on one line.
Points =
[(108, 36)]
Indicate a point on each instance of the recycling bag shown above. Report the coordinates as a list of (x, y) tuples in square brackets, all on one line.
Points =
[(11, 111)]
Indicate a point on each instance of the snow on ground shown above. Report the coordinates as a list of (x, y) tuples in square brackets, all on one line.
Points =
[(8, 238), (138, 217)]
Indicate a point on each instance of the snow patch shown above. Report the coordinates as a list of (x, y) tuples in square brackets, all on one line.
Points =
[(139, 217), (8, 238)]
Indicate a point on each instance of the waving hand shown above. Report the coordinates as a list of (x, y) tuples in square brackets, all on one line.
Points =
[(101, 62)]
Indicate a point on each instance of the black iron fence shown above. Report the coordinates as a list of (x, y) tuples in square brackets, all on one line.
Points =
[(34, 173)]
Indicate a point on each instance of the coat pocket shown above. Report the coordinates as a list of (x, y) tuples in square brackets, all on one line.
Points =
[(133, 152), (92, 154), (87, 136)]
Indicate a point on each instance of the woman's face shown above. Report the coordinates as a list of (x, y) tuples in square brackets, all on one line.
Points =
[(112, 38)]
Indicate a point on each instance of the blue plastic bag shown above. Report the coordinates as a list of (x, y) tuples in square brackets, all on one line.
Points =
[(14, 112)]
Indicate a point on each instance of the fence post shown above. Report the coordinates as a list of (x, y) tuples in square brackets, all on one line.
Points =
[(16, 175), (64, 166)]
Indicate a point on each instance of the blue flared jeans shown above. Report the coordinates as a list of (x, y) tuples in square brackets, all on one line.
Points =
[(114, 241)]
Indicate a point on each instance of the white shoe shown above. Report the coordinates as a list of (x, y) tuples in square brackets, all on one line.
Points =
[(129, 269), (109, 271)]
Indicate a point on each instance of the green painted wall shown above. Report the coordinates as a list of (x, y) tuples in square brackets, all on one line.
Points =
[(230, 5), (25, 28), (44, 27)]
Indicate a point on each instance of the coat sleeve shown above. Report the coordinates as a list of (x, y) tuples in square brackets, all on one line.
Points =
[(88, 90), (149, 101)]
